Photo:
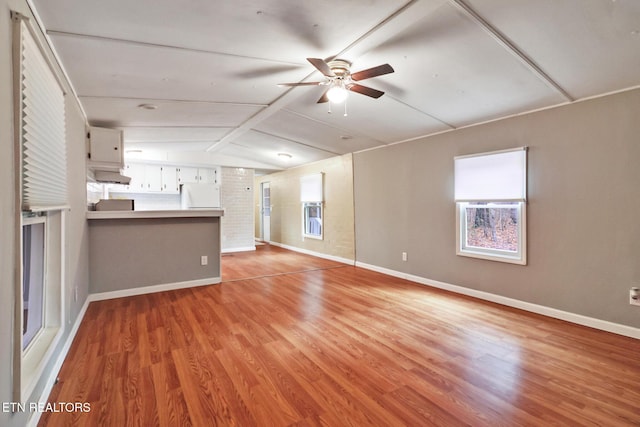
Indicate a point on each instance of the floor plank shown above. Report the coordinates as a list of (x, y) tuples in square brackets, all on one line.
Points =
[(291, 340)]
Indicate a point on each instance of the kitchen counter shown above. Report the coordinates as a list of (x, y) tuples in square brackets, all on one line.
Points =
[(182, 213), (135, 252)]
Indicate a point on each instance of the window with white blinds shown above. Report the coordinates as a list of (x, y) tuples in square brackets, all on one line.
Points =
[(42, 129), (311, 188)]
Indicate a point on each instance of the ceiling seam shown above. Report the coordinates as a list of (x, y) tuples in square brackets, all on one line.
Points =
[(176, 101)]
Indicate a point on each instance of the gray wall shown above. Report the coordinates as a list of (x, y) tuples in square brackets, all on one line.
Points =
[(133, 253), (76, 267), (583, 209)]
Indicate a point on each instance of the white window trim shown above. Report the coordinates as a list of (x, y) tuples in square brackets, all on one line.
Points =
[(304, 225), (29, 365), (519, 257)]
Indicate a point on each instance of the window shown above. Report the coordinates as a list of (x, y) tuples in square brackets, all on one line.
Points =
[(313, 220), (33, 265), (311, 192), (490, 193), (40, 141)]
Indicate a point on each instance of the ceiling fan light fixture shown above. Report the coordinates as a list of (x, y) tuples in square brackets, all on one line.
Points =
[(337, 94)]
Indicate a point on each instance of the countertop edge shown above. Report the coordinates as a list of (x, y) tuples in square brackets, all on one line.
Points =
[(186, 213)]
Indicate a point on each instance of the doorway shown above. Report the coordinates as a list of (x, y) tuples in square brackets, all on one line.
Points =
[(265, 211)]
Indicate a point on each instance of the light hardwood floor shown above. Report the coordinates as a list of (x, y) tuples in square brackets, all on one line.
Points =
[(292, 340)]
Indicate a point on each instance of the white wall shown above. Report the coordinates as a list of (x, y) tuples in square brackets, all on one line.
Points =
[(237, 200)]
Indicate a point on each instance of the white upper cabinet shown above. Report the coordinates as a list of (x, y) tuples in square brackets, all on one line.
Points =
[(105, 148), (198, 175), (187, 175), (170, 180)]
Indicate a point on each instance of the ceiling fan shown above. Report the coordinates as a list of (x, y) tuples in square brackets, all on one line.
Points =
[(340, 79)]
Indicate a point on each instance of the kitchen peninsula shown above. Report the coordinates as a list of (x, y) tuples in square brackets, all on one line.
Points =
[(136, 252)]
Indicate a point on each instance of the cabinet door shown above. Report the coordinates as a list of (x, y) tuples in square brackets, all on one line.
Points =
[(135, 171), (153, 178), (105, 146), (187, 175), (208, 175), (170, 179)]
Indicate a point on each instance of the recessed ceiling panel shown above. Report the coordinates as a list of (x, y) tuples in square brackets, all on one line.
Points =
[(588, 46), (127, 112), (116, 69), (288, 30), (172, 138), (446, 64), (386, 119), (268, 148), (313, 132)]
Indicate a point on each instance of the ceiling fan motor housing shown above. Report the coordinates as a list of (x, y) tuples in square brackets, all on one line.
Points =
[(340, 67)]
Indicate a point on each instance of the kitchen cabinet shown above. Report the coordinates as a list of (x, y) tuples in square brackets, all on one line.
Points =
[(105, 149), (135, 171), (170, 180), (208, 175), (154, 178), (188, 175), (146, 178)]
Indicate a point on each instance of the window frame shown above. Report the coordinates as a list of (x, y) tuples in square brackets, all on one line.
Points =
[(305, 222), (30, 363), (462, 249), (492, 179), (29, 221)]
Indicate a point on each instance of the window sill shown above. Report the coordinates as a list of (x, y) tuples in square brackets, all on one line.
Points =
[(36, 358), (500, 258)]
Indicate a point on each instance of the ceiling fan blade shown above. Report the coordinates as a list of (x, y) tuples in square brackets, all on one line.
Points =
[(372, 72), (324, 98), (321, 66), (364, 90), (301, 84)]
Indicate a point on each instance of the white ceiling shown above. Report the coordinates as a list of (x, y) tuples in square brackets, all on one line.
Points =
[(212, 68)]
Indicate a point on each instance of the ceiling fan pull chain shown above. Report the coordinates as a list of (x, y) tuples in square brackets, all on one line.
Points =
[(329, 112), (345, 108)]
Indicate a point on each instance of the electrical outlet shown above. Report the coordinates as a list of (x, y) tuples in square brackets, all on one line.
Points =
[(634, 296), (204, 260), (404, 256)]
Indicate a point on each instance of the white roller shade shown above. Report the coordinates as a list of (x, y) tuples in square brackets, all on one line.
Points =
[(495, 176), (311, 188), (43, 141)]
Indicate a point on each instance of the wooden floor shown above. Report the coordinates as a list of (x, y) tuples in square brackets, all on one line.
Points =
[(336, 345)]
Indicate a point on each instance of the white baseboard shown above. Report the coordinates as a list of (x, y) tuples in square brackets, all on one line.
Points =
[(241, 249), (316, 254), (55, 370), (152, 289), (511, 302)]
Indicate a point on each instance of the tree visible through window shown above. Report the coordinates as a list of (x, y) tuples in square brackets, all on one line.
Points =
[(492, 227), (490, 195)]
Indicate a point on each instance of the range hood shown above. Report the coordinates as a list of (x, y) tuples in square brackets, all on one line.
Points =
[(111, 177)]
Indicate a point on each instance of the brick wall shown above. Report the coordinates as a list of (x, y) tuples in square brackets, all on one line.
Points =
[(237, 200)]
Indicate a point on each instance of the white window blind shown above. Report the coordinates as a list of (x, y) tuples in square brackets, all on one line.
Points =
[(42, 133), (311, 188), (496, 176)]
